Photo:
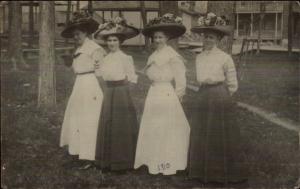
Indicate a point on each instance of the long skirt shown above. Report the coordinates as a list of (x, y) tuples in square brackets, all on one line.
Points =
[(214, 144), (80, 125), (118, 128), (164, 132)]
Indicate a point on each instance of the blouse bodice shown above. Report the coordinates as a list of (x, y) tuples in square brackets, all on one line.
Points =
[(216, 66), (165, 65), (118, 66), (87, 57)]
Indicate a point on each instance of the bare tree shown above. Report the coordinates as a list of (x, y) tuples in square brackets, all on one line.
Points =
[(47, 92), (31, 24), (77, 5), (261, 19), (144, 18), (90, 7), (290, 27), (68, 16), (15, 35), (224, 8)]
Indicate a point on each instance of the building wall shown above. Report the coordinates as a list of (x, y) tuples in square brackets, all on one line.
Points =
[(280, 7)]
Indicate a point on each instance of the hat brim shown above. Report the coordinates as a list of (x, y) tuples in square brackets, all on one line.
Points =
[(90, 26), (173, 30), (128, 33), (223, 30)]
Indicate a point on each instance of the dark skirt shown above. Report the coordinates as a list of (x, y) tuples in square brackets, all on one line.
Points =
[(214, 141), (118, 128)]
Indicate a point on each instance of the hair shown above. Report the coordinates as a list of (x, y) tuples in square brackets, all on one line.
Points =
[(166, 33), (220, 35), (120, 37), (82, 29)]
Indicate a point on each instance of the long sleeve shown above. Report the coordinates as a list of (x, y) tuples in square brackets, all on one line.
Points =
[(130, 70), (83, 63), (230, 75), (179, 70), (98, 56)]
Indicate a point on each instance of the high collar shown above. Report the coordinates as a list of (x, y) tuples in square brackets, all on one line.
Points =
[(215, 48), (115, 52), (84, 44), (163, 48), (162, 56)]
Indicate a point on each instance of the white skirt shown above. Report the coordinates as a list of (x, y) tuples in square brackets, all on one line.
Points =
[(80, 125), (163, 139)]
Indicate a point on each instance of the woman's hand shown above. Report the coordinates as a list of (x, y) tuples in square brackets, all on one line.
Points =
[(180, 98)]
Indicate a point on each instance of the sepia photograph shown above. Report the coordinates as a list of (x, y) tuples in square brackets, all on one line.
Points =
[(150, 94)]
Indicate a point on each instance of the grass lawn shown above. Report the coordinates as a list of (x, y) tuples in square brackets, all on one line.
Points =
[(31, 157)]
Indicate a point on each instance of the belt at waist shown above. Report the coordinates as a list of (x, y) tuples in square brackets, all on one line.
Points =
[(207, 86), (160, 83), (83, 73), (116, 83)]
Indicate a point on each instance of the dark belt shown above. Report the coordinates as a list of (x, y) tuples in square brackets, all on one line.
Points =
[(116, 83), (83, 73), (207, 86)]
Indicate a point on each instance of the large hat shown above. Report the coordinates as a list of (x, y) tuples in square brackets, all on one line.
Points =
[(167, 23), (80, 20), (212, 22), (118, 27)]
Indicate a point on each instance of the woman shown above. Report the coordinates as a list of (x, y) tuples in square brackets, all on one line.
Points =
[(118, 126), (214, 151), (80, 125), (164, 130)]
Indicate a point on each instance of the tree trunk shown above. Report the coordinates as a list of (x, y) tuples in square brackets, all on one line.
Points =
[(77, 5), (15, 35), (290, 28), (90, 7), (31, 24), (224, 8), (144, 18), (68, 16), (160, 8), (261, 19), (170, 7), (47, 92)]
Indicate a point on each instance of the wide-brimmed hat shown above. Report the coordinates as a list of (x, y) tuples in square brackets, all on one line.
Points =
[(117, 27), (168, 23), (80, 20), (212, 22)]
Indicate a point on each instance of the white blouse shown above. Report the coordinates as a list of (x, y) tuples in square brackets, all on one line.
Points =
[(118, 66), (216, 66), (87, 56), (165, 65)]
